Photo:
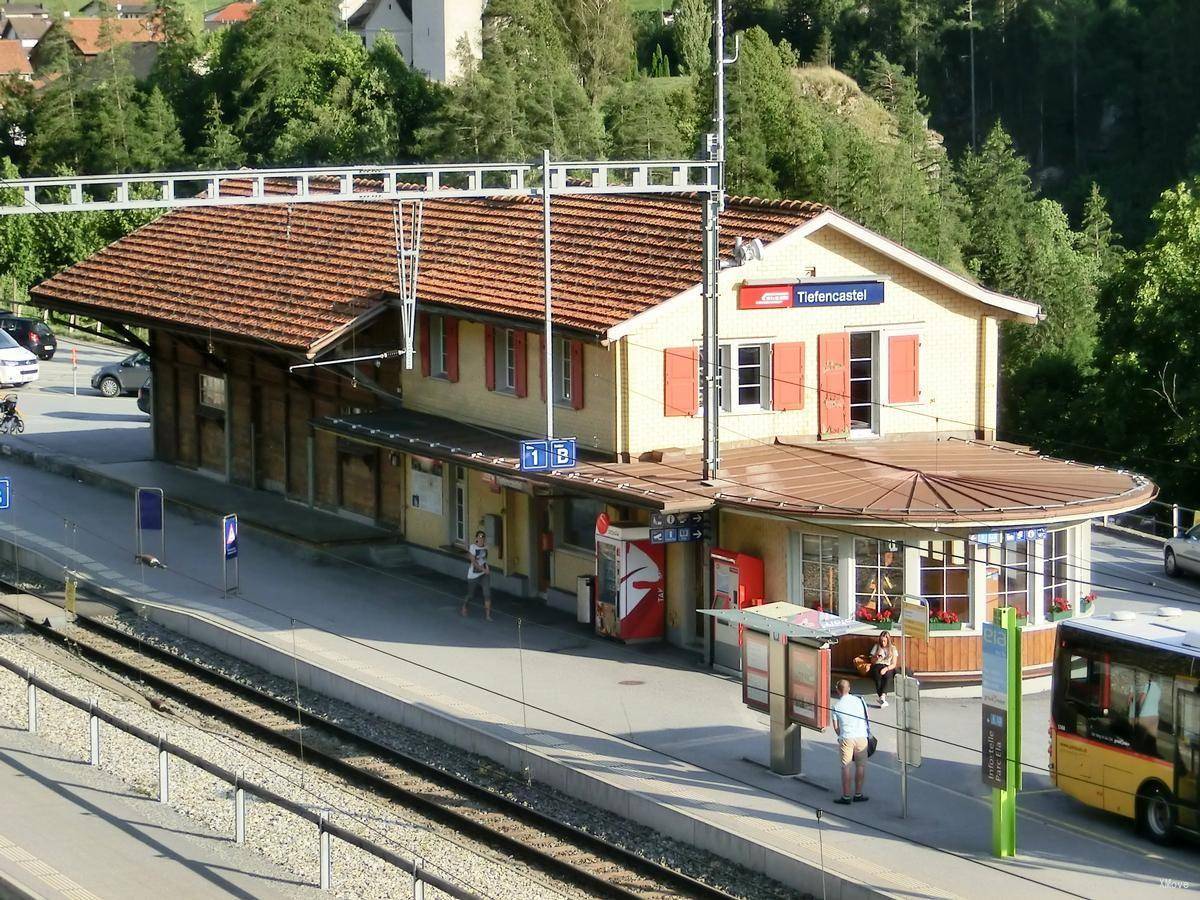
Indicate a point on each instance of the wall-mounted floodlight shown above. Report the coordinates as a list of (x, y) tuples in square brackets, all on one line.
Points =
[(743, 252)]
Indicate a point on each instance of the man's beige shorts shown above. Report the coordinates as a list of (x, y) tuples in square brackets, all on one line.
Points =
[(853, 750)]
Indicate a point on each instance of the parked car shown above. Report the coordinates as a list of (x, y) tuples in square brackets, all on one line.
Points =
[(17, 365), (32, 334), (1182, 554), (143, 400), (124, 377)]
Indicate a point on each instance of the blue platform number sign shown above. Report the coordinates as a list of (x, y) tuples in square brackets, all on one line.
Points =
[(230, 527), (5, 493), (545, 456)]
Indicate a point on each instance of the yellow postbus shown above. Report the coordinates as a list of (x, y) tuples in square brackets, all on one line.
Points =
[(1125, 716)]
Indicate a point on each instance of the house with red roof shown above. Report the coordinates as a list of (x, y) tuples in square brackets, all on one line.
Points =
[(230, 14), (857, 389), (14, 61)]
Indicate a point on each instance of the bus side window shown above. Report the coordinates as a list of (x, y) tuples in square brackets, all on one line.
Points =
[(1083, 681)]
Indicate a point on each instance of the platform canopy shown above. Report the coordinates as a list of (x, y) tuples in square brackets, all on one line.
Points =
[(791, 620)]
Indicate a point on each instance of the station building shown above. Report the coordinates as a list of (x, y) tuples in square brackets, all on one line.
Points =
[(859, 459)]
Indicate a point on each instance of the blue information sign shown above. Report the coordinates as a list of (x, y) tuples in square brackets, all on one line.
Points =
[(842, 293), (230, 527), (544, 456), (995, 666), (5, 493), (150, 509)]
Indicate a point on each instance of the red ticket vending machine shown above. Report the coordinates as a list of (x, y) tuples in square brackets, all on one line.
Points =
[(630, 583), (737, 584)]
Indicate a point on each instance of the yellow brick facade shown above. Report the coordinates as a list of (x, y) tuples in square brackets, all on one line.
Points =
[(958, 354), (469, 400)]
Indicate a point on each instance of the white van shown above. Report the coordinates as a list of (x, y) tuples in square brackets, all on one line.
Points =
[(17, 365)]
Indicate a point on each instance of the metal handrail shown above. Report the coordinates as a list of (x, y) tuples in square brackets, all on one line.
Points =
[(324, 826)]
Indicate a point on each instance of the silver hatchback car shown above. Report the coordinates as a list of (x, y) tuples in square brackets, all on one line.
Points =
[(1182, 554)]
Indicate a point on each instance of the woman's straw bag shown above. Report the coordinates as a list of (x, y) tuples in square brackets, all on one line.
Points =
[(863, 665)]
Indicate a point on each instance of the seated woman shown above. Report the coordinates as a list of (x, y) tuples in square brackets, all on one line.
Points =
[(884, 659)]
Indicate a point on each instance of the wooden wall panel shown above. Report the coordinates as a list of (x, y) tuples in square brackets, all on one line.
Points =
[(946, 653)]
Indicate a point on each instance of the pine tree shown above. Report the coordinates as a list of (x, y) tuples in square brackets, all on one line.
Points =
[(219, 146), (693, 36), (650, 119), (112, 104), (999, 194), (266, 60), (158, 145), (56, 138), (1097, 237), (174, 71)]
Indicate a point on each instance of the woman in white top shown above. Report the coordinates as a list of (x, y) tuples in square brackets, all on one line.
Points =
[(884, 659)]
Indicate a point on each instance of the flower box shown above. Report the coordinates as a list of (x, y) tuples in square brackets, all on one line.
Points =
[(935, 625), (882, 626), (1022, 621), (1056, 615), (1085, 606)]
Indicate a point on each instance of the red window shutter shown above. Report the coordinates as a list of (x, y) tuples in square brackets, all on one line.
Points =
[(680, 381), (489, 357), (423, 341), (522, 381), (576, 374), (787, 376), (833, 387), (450, 336), (904, 368)]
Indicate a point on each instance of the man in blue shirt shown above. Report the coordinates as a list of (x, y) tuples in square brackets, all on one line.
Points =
[(850, 723)]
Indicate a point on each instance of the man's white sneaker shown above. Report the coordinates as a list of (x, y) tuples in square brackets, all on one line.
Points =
[(882, 702)]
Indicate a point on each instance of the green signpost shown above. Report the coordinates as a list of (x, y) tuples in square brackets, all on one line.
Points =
[(1002, 726)]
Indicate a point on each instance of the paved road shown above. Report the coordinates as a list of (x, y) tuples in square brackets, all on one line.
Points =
[(64, 414), (81, 835), (1130, 576)]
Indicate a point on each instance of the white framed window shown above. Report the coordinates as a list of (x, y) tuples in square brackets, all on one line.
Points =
[(745, 366), (563, 386), (1009, 578), (878, 578), (506, 360), (460, 506), (819, 572), (864, 382), (1056, 572), (439, 355), (945, 578), (212, 392), (509, 360)]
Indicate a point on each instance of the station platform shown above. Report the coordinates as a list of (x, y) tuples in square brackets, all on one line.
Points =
[(81, 835), (642, 731)]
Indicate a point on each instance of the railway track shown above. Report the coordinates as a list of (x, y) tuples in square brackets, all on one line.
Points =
[(562, 850)]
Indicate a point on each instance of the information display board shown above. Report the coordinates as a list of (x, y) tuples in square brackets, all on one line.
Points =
[(995, 706), (756, 686), (808, 670)]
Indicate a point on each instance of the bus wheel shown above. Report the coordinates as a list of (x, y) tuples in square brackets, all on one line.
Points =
[(1156, 814)]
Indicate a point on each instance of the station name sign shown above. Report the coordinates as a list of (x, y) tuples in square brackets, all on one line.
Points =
[(832, 293)]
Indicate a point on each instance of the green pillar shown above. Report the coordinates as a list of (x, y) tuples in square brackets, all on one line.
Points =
[(1004, 800)]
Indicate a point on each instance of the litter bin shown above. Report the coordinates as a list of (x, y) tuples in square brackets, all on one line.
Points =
[(584, 585)]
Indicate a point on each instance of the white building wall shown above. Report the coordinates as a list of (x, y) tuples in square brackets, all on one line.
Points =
[(438, 27)]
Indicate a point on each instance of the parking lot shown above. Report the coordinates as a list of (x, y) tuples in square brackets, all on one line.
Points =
[(64, 414)]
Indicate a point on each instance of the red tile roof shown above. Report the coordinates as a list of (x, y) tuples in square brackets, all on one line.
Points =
[(86, 33), (13, 59), (238, 11), (290, 274)]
